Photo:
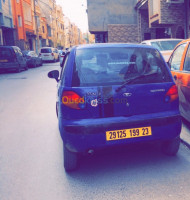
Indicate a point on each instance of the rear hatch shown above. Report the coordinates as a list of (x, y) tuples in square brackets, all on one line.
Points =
[(6, 56), (46, 53), (119, 82)]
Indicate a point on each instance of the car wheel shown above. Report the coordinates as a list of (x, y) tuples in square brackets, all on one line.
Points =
[(70, 159), (171, 147), (18, 70), (35, 65)]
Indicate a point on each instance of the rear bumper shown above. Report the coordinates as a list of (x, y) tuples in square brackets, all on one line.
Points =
[(86, 134), (6, 66), (48, 58)]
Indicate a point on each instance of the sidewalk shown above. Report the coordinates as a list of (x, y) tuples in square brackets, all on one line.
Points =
[(185, 133)]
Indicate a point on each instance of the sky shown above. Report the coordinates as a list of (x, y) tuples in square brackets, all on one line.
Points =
[(75, 10)]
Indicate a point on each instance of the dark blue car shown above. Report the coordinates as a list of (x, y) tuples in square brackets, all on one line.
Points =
[(115, 94)]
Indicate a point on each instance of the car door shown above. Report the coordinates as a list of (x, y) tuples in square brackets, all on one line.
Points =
[(21, 58), (184, 85), (176, 63), (35, 57)]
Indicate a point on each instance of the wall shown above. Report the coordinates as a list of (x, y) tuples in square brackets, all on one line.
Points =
[(104, 12), (123, 33), (171, 13)]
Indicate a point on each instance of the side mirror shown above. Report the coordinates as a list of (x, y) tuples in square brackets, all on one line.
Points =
[(54, 74)]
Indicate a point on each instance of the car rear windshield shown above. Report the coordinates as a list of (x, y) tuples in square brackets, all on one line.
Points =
[(114, 66), (46, 51), (165, 45), (6, 54)]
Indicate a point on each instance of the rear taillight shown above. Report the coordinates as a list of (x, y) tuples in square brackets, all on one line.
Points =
[(172, 94), (52, 54), (73, 100)]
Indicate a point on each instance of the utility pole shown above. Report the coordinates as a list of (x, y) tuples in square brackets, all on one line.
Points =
[(36, 25)]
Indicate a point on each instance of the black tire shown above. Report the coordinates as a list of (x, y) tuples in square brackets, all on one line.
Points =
[(171, 147), (35, 65), (18, 70), (26, 68), (70, 160)]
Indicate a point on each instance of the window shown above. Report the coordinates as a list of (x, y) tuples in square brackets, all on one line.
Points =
[(46, 50), (154, 7), (165, 45), (175, 61), (27, 12), (106, 66), (43, 29), (187, 60), (19, 21), (62, 76)]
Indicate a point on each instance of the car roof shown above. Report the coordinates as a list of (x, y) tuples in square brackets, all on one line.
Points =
[(46, 47), (183, 41), (164, 39), (110, 45)]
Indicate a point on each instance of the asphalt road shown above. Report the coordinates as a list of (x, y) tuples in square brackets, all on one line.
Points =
[(31, 163)]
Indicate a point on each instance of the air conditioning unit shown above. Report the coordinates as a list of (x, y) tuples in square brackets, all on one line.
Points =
[(174, 1)]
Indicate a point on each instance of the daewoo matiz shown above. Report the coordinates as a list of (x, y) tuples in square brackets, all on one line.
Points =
[(115, 94)]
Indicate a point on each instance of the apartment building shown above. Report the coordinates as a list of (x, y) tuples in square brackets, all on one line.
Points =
[(18, 21), (113, 21), (163, 18), (6, 23), (134, 21)]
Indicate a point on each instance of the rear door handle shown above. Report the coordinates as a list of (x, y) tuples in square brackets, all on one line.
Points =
[(175, 77)]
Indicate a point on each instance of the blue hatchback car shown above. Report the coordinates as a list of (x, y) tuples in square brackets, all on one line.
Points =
[(115, 94)]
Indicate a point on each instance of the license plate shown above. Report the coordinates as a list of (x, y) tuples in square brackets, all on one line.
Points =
[(3, 60), (128, 133)]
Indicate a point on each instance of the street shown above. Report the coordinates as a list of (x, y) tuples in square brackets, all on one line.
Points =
[(31, 157)]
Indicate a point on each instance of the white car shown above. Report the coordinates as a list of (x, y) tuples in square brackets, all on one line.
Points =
[(49, 54), (165, 46)]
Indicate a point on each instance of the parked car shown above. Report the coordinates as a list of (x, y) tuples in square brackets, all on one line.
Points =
[(165, 46), (115, 94), (49, 54), (33, 60), (62, 55), (179, 63), (11, 58)]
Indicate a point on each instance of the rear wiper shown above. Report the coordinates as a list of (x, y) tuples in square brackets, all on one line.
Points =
[(132, 79)]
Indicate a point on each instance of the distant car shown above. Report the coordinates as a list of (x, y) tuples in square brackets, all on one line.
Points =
[(62, 56), (179, 63), (49, 54), (11, 58), (115, 94), (33, 60), (165, 46)]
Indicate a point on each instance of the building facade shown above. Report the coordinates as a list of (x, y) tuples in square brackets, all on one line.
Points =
[(113, 21), (18, 21), (135, 21), (163, 18), (6, 23)]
